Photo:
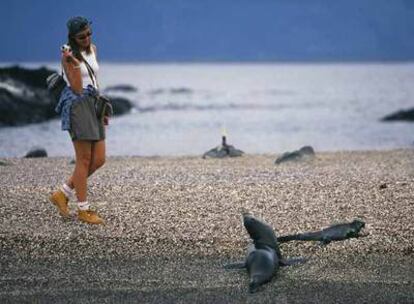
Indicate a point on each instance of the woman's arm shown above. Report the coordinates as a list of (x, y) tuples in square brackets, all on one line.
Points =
[(95, 51), (71, 65)]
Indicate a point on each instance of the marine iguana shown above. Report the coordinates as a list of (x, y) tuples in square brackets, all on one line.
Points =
[(336, 232)]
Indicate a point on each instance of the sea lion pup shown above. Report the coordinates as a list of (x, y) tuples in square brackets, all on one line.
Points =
[(263, 256), (336, 232)]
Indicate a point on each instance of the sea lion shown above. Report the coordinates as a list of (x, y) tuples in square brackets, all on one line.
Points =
[(303, 153), (263, 255), (336, 232)]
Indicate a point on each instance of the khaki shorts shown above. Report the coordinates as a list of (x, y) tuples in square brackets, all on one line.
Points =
[(84, 123)]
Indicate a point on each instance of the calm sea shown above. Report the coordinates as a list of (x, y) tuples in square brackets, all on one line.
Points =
[(182, 109)]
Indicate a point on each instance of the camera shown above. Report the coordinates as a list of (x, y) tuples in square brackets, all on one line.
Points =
[(65, 48)]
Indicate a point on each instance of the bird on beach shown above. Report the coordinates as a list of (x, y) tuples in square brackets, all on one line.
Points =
[(223, 150)]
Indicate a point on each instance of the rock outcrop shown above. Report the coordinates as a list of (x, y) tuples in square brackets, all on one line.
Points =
[(24, 98), (404, 115), (120, 105)]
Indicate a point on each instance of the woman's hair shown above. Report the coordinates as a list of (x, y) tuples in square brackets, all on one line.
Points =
[(75, 47)]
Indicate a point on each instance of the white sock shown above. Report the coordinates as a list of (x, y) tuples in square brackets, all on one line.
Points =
[(83, 205), (66, 190)]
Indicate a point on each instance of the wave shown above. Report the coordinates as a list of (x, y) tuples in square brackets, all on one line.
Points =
[(210, 107), (178, 90)]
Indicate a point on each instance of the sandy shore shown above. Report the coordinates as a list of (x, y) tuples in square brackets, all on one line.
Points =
[(173, 222)]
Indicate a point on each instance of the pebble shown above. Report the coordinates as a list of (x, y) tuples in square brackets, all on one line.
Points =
[(187, 205)]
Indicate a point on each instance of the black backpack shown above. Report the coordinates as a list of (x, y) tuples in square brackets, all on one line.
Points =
[(55, 84)]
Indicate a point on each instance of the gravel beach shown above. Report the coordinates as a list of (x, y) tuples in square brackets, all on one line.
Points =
[(173, 222)]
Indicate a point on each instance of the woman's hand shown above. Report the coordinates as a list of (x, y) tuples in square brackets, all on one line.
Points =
[(106, 120), (68, 57)]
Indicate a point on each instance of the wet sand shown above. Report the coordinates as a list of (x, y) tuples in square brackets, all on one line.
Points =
[(173, 222)]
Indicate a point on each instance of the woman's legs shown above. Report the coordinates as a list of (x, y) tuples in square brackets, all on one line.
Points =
[(83, 151), (59, 198), (89, 157), (98, 155)]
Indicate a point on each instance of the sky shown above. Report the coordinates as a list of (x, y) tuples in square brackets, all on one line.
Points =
[(214, 30)]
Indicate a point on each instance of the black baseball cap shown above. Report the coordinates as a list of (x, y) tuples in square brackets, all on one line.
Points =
[(77, 24)]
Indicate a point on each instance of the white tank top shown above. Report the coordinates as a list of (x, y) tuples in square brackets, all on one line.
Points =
[(86, 79)]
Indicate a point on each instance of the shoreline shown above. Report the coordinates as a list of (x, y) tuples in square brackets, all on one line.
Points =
[(247, 154), (172, 222)]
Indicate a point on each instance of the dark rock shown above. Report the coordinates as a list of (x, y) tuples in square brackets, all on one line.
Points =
[(34, 78), (25, 99), (31, 106), (404, 115), (23, 96), (303, 153), (180, 91), (224, 150), (383, 186), (36, 152), (120, 105), (122, 88), (4, 163)]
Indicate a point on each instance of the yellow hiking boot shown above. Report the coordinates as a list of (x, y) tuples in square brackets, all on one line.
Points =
[(90, 217), (59, 199)]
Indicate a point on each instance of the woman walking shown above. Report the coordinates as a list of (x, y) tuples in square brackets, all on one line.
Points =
[(78, 108)]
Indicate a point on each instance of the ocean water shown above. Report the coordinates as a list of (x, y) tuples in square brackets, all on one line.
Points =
[(182, 109)]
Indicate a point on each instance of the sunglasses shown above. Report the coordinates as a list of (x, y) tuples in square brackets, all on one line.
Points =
[(84, 36)]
